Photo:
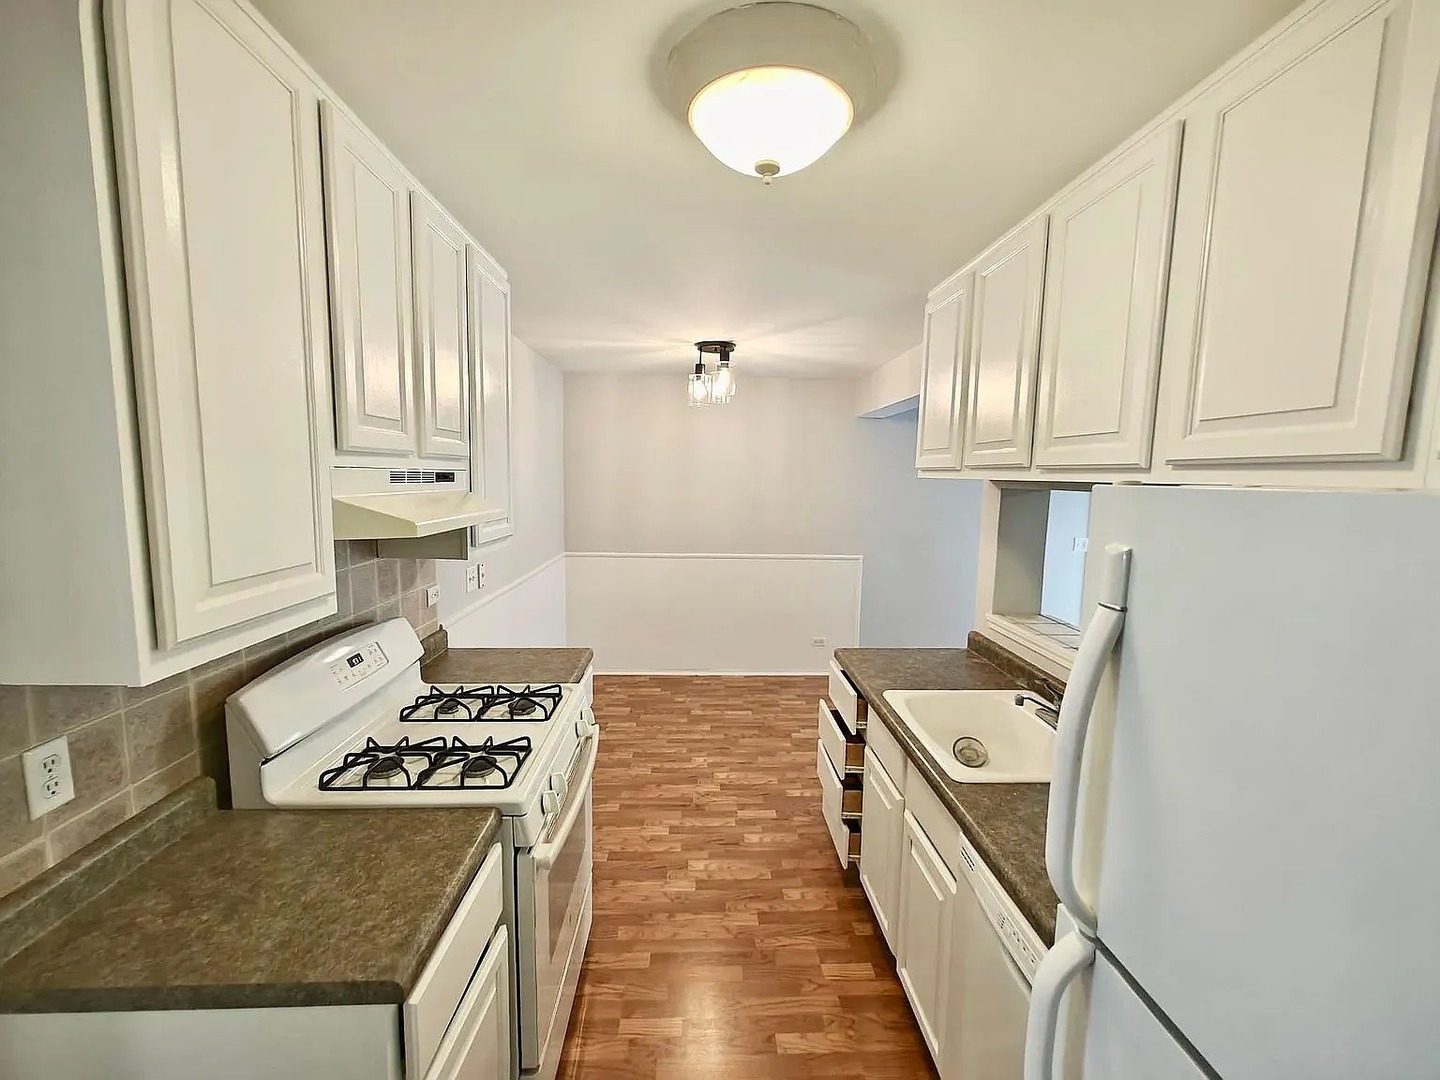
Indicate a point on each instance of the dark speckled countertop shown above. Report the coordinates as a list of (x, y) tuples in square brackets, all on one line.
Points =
[(260, 908), (1005, 822), (535, 666)]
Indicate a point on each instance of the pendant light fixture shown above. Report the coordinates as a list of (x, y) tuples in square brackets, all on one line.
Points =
[(707, 387), (768, 88)]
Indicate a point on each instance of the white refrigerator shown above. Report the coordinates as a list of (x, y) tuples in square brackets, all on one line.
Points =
[(1244, 824)]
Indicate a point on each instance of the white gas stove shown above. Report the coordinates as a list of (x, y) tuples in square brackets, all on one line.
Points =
[(351, 723)]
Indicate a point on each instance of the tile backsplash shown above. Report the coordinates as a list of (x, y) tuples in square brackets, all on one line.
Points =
[(132, 746)]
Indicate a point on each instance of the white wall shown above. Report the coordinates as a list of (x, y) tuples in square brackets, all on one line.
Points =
[(713, 614), (523, 601), (785, 469), (1064, 573), (921, 542)]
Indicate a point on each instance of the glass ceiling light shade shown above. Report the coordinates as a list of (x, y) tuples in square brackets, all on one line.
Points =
[(722, 383), (770, 121), (768, 88), (698, 392), (706, 387)]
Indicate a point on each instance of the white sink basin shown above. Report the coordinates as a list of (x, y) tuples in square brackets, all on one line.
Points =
[(1018, 747)]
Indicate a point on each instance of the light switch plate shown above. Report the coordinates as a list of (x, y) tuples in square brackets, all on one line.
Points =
[(49, 782)]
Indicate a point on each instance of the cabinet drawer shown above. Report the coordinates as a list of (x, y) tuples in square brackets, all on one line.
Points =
[(844, 825), (846, 752), (441, 986), (881, 745), (847, 702), (930, 814)]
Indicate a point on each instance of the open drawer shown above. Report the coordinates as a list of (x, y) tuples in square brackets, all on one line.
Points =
[(841, 808), (846, 751), (849, 706)]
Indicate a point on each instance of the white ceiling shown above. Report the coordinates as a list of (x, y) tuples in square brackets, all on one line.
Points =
[(536, 123)]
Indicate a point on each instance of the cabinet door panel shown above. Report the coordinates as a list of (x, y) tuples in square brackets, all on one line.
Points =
[(1303, 235), (442, 330), (367, 203), (1004, 349), (927, 892), (947, 336), (882, 828), (490, 391), (218, 154), (1107, 262)]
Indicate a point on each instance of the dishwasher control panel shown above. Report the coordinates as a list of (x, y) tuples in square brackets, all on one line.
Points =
[(1019, 938)]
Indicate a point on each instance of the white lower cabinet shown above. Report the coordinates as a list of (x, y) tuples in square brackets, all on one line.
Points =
[(882, 827), (478, 1045), (927, 897)]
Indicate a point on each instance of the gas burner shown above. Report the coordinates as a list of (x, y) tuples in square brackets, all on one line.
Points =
[(479, 765), (384, 768), (434, 764), (489, 702)]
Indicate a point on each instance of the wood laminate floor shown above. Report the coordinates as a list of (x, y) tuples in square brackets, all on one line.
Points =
[(727, 942)]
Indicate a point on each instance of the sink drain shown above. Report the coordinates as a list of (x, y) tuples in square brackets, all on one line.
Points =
[(970, 752)]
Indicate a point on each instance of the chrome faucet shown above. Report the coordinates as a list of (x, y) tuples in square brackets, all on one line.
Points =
[(1048, 711)]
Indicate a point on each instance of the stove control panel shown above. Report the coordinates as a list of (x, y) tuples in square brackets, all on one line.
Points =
[(354, 666)]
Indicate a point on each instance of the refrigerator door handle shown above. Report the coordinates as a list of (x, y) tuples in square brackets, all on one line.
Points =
[(1069, 956), (1096, 645)]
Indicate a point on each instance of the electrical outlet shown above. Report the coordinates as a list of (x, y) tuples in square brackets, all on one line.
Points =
[(818, 642), (1082, 543), (472, 578), (48, 780), (432, 595)]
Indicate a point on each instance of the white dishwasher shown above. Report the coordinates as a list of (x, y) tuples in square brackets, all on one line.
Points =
[(995, 953)]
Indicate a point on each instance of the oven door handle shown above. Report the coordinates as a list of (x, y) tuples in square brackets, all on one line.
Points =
[(545, 854)]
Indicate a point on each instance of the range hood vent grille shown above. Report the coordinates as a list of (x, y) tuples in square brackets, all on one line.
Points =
[(421, 476)]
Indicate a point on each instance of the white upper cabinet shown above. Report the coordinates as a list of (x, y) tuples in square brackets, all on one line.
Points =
[(1302, 241), (367, 203), (942, 374), (1107, 262), (441, 332), (1004, 349), (218, 148), (490, 390)]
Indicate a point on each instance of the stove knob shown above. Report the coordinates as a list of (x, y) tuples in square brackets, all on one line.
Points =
[(558, 784), (549, 803)]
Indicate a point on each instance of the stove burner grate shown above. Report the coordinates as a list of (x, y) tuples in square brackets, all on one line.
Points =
[(434, 764), (492, 702)]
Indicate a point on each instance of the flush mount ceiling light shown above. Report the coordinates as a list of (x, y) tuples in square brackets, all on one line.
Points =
[(712, 387), (770, 87)]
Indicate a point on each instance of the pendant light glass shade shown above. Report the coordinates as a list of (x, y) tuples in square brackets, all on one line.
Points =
[(699, 388), (770, 121), (722, 384)]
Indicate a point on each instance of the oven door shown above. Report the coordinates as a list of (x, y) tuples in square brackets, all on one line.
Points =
[(553, 916)]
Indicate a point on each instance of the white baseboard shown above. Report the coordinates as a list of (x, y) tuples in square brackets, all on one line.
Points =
[(712, 614)]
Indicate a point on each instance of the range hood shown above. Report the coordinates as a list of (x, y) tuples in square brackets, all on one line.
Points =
[(405, 504)]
